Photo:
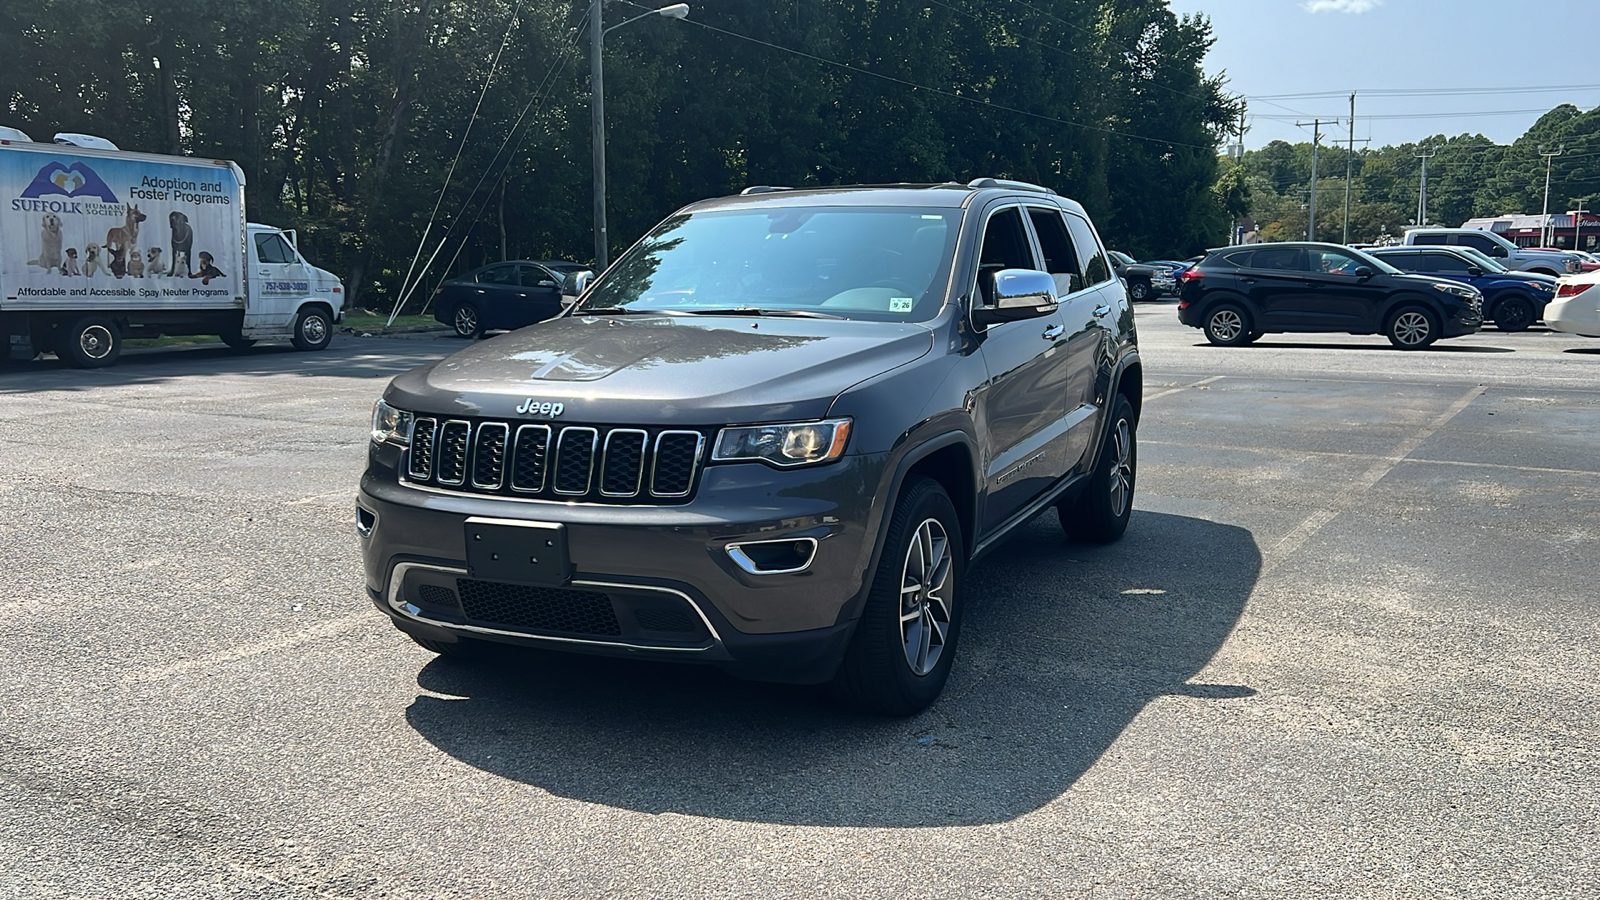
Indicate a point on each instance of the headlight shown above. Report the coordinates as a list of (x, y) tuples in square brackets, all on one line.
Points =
[(1460, 290), (796, 444), (390, 425)]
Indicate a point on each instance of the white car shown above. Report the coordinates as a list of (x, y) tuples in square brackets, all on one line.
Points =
[(1576, 307)]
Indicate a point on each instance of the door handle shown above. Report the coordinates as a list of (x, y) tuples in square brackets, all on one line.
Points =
[(1102, 309), (1053, 332)]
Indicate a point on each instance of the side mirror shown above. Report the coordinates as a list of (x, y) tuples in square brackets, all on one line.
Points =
[(1474, 271), (1499, 251), (1018, 294), (1364, 271), (580, 281)]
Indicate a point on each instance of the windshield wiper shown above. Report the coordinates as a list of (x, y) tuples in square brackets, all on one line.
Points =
[(624, 311), (758, 311)]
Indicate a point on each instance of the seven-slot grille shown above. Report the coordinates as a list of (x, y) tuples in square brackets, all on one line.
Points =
[(556, 462)]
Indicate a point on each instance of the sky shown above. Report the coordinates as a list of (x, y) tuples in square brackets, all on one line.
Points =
[(1398, 56)]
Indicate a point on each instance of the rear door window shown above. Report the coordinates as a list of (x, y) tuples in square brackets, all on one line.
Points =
[(1059, 258), (498, 275), (1095, 268), (1283, 259)]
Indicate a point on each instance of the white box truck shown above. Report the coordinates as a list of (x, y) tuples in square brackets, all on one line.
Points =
[(99, 245)]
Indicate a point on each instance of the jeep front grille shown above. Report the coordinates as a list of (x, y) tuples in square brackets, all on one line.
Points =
[(556, 462)]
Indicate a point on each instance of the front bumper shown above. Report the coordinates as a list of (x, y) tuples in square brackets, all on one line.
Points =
[(1462, 322), (650, 581)]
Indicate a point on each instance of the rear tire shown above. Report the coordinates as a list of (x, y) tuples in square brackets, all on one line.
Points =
[(1227, 325), (1514, 313), (466, 322), (1412, 328), (900, 655), (313, 329), (89, 342), (237, 341), (1101, 512)]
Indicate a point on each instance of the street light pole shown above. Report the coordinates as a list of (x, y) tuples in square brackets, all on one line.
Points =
[(597, 113), (1549, 158)]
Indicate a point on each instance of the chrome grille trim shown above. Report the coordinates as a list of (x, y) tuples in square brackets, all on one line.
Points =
[(524, 443), (694, 464), (638, 471), (420, 465), (480, 446), (575, 433), (449, 458)]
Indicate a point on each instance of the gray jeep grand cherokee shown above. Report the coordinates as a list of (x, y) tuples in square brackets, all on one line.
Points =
[(771, 438)]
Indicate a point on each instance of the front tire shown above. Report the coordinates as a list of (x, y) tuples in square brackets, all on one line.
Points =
[(900, 655), (1101, 512), (466, 322), (1513, 313), (90, 342), (313, 329), (1139, 291), (1227, 325), (1412, 328)]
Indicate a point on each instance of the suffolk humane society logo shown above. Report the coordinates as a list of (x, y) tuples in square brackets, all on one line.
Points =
[(74, 181)]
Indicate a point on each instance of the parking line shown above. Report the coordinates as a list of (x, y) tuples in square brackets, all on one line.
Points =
[(1363, 483), (1182, 387)]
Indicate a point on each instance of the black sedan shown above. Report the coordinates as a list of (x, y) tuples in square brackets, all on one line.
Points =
[(500, 297), (1237, 294)]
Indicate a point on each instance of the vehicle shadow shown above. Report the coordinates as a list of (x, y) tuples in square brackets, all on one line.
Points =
[(347, 357), (1586, 351), (1309, 345), (1063, 645)]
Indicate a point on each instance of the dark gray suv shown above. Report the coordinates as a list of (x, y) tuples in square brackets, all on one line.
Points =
[(771, 438)]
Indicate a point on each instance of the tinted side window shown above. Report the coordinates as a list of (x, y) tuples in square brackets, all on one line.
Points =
[(1435, 240), (1005, 246), (1240, 258), (1290, 259), (272, 248), (1447, 262), (498, 275), (532, 275), (1059, 258), (1473, 240), (1406, 262), (1095, 267)]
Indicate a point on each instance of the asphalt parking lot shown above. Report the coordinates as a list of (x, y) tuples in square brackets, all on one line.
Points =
[(1347, 648)]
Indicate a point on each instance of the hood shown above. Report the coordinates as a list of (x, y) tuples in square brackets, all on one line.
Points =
[(660, 370), (1525, 277)]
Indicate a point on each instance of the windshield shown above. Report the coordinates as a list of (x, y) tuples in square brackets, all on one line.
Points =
[(877, 263), (1480, 259)]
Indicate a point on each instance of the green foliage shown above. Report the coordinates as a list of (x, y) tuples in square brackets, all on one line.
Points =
[(346, 115)]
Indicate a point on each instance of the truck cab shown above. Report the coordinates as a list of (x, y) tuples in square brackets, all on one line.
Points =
[(1518, 259), (282, 287)]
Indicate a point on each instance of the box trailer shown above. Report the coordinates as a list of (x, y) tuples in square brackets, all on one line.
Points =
[(98, 245)]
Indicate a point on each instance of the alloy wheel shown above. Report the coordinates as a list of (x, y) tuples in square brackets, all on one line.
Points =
[(1121, 466), (925, 583), (1411, 328), (466, 321), (1226, 325), (314, 329)]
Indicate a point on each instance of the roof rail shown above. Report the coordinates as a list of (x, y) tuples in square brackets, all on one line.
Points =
[(977, 183), (763, 189)]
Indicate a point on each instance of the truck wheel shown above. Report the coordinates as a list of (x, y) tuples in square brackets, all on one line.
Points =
[(901, 652), (1138, 291), (1412, 328), (313, 329), (90, 342), (466, 321), (1101, 513), (1514, 313)]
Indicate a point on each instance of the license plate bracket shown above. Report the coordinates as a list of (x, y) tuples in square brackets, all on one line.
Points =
[(517, 551)]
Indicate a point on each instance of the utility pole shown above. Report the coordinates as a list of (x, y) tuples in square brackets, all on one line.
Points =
[(1577, 224), (1549, 157), (1425, 154), (1311, 217), (1349, 162)]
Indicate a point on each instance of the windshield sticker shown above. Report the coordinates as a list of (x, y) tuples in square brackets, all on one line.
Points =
[(900, 304)]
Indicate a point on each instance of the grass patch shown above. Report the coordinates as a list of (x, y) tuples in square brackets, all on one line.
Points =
[(375, 322)]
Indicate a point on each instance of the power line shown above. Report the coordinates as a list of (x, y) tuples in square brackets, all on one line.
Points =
[(1437, 92)]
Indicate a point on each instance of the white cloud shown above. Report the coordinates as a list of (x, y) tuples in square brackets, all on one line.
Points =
[(1344, 6)]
